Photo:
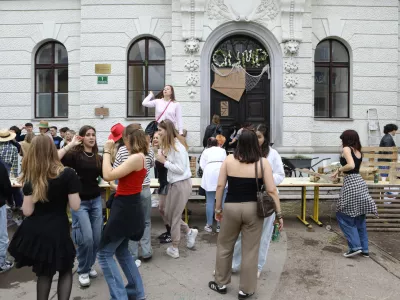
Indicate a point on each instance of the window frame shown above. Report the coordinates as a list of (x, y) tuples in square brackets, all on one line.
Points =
[(52, 66), (331, 65), (143, 63)]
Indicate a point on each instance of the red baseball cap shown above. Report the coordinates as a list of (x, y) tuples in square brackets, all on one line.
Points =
[(116, 132)]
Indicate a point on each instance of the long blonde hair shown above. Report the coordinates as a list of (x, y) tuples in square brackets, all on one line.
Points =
[(168, 140), (40, 165)]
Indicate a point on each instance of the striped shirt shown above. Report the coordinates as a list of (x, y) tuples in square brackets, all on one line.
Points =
[(123, 154)]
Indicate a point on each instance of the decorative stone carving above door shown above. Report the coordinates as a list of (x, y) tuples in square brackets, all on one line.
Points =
[(231, 10)]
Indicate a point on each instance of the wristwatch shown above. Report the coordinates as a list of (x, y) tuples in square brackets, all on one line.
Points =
[(218, 211), (279, 215)]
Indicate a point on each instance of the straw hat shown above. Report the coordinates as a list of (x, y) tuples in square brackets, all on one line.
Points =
[(6, 135), (116, 132), (43, 124)]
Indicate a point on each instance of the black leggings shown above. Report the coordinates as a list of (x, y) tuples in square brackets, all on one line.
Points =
[(63, 288)]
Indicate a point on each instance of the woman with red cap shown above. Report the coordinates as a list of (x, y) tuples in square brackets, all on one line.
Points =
[(116, 136)]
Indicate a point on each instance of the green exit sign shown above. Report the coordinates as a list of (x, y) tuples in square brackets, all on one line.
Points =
[(102, 79)]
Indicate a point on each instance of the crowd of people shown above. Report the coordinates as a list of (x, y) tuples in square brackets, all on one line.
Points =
[(63, 170)]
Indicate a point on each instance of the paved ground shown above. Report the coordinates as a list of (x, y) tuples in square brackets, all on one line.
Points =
[(305, 264)]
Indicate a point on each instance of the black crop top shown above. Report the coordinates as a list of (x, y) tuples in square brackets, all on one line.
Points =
[(242, 189), (357, 163)]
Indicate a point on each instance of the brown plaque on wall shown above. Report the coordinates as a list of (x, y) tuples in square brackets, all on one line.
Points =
[(101, 111), (102, 68), (224, 108)]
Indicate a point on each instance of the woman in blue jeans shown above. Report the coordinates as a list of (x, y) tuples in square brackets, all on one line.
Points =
[(354, 201), (126, 221), (211, 161), (87, 221)]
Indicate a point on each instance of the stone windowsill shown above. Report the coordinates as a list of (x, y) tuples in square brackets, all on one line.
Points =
[(334, 119), (140, 119), (51, 119)]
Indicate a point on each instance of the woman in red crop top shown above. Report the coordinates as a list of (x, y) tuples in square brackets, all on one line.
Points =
[(126, 220)]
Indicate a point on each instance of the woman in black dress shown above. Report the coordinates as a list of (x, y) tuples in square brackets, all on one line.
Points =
[(43, 240)]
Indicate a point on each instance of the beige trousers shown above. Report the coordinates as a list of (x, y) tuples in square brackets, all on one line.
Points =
[(239, 217), (178, 196)]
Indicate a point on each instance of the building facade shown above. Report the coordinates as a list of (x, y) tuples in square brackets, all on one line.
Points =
[(329, 62)]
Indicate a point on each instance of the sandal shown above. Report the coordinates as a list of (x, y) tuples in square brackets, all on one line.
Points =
[(243, 295), (214, 286), (166, 240), (162, 235)]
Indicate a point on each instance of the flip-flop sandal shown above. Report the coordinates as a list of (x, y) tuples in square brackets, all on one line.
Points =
[(163, 235), (244, 295), (214, 286), (166, 240)]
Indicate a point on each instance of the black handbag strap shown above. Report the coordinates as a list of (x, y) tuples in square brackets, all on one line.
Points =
[(262, 173)]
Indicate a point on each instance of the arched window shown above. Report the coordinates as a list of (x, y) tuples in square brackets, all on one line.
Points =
[(146, 72), (331, 80), (51, 81)]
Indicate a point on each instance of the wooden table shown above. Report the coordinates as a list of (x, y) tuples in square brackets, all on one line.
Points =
[(303, 183), (287, 182)]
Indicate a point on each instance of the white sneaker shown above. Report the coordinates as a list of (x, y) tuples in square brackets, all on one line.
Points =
[(8, 265), (208, 228), (93, 273), (173, 252), (84, 280), (191, 238), (138, 263)]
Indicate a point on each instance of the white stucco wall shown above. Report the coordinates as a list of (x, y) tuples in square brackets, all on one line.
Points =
[(108, 30), (24, 26), (370, 28)]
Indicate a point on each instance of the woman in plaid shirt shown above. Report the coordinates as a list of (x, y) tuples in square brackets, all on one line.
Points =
[(354, 201)]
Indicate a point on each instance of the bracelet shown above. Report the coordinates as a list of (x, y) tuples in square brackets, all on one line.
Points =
[(106, 152)]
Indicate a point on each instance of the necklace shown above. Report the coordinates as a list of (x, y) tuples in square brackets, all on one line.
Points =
[(88, 154)]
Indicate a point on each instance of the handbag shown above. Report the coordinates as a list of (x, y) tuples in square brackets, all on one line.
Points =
[(265, 203), (153, 125)]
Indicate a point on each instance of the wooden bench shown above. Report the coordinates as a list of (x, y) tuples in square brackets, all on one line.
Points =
[(371, 155), (387, 198)]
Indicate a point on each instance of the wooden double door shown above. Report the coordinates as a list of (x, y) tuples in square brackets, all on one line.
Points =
[(253, 107)]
